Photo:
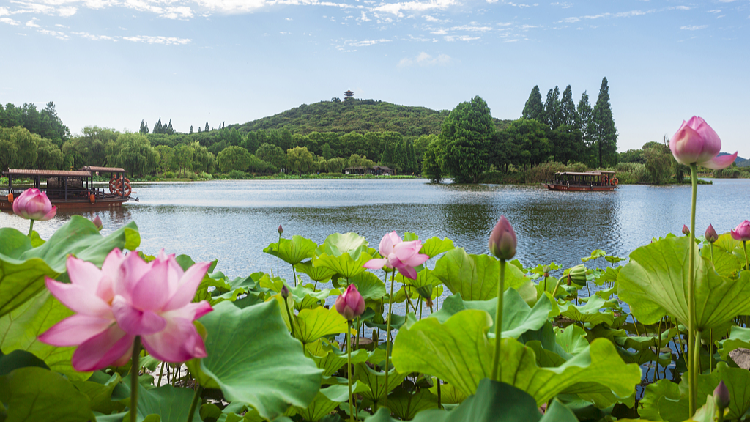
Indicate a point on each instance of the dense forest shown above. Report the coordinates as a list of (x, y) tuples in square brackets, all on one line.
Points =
[(466, 143)]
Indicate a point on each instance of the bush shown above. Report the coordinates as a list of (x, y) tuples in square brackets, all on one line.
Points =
[(632, 173), (576, 167), (543, 172), (169, 174), (237, 174)]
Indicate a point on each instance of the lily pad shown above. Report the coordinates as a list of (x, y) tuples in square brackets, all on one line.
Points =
[(292, 251), (434, 246), (315, 323), (475, 276)]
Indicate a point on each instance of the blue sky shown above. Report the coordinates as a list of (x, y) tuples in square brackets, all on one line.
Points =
[(112, 63)]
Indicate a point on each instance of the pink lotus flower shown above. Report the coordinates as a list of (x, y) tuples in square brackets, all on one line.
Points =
[(33, 204), (403, 256), (98, 223), (742, 232), (350, 304), (126, 298), (697, 143), (685, 230), (503, 239), (711, 235)]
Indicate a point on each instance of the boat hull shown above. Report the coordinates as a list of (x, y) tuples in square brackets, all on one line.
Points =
[(74, 204), (578, 188)]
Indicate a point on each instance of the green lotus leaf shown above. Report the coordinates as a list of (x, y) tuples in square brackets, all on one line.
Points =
[(21, 328), (292, 251), (738, 337), (493, 402), (475, 276), (647, 341), (609, 275), (572, 339), (335, 360), (348, 264), (405, 404), (590, 312), (369, 285), (655, 283), (434, 246), (425, 278), (375, 380), (169, 403), (448, 394), (397, 321), (326, 401), (23, 268), (315, 323), (251, 357), (19, 359), (343, 243), (596, 253), (100, 394), (307, 297), (317, 274), (724, 262), (460, 353), (727, 242), (518, 317), (37, 394)]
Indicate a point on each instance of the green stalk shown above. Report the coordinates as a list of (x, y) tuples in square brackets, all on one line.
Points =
[(194, 403), (289, 314), (658, 349), (134, 370), (497, 374), (744, 246), (692, 375), (349, 369), (359, 326), (388, 338), (31, 227), (440, 399)]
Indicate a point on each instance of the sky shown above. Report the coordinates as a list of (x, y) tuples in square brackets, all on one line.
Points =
[(112, 63)]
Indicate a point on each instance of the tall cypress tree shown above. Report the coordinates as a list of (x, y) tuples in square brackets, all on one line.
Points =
[(605, 132), (144, 127), (191, 129), (586, 124), (207, 128), (568, 108), (158, 127), (552, 109), (534, 109)]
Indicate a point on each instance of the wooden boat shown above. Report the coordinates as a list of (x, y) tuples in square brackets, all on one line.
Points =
[(71, 189), (583, 181)]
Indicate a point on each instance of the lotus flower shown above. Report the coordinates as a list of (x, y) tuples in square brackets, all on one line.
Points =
[(126, 298), (350, 304), (721, 394), (711, 235), (697, 143), (403, 256), (33, 204), (742, 232), (280, 229), (503, 239), (98, 223), (685, 230)]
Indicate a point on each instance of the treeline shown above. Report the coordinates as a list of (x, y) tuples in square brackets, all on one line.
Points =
[(44, 123), (555, 131)]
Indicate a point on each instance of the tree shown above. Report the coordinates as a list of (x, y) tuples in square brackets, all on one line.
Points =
[(605, 132), (658, 163), (272, 155), (432, 162), (567, 144), (568, 108), (528, 142), (206, 128), (233, 158), (183, 156), (136, 155), (191, 129), (299, 159), (466, 136), (49, 155), (553, 109), (327, 154), (534, 109), (586, 126), (144, 127)]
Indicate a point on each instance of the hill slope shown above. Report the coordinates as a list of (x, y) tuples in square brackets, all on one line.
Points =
[(355, 115)]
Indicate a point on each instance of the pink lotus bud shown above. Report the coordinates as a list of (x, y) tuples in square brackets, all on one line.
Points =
[(503, 240), (685, 230), (742, 232), (711, 235), (98, 222), (697, 143), (280, 230), (350, 304), (721, 395), (33, 204), (285, 292)]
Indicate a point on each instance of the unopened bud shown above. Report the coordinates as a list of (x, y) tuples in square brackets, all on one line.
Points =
[(685, 230), (503, 240), (721, 395), (281, 230), (285, 292), (98, 223), (711, 235)]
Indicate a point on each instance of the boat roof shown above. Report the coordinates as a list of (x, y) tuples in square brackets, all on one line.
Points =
[(105, 169), (585, 173), (47, 173)]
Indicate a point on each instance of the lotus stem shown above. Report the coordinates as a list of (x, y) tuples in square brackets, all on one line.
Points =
[(288, 314), (349, 369), (744, 247), (388, 338), (358, 328), (658, 349), (710, 351), (194, 403), (692, 343), (161, 374), (31, 227), (134, 371), (440, 398), (294, 275), (497, 374)]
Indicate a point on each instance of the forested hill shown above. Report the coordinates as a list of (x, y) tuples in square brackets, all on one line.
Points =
[(356, 115)]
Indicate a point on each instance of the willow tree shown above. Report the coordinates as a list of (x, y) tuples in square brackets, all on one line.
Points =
[(467, 135)]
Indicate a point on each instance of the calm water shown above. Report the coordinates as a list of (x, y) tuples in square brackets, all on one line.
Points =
[(234, 220)]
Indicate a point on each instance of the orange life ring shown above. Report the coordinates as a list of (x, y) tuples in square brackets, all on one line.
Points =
[(614, 181), (10, 198), (127, 188), (92, 198), (113, 184)]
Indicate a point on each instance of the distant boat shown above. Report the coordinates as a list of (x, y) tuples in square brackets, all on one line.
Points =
[(71, 189), (583, 181)]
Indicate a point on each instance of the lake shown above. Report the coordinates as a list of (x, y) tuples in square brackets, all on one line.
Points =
[(234, 220)]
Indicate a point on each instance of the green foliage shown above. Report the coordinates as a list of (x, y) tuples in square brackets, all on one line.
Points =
[(658, 163), (604, 133), (466, 137), (534, 109), (233, 158)]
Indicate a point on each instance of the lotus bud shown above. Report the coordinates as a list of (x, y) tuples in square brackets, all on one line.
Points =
[(721, 395), (285, 292), (503, 240), (280, 230), (685, 230), (711, 235), (33, 204), (98, 223), (351, 304), (742, 232), (697, 143)]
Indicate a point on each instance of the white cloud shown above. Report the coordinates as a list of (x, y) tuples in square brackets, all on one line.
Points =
[(715, 11), (451, 38), (183, 13), (471, 28), (56, 34), (32, 24), (93, 37), (416, 6), (364, 43), (563, 4), (424, 59), (694, 27), (4, 11), (158, 40), (10, 21), (429, 18), (364, 18)]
